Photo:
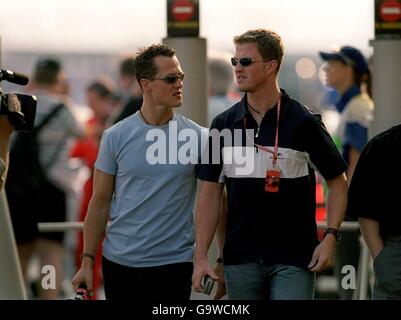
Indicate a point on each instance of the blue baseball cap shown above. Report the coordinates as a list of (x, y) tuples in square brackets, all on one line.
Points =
[(350, 56)]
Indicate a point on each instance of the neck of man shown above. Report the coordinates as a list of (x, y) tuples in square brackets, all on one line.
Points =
[(265, 99), (156, 115)]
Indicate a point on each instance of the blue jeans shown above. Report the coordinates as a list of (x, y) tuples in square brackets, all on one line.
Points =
[(260, 281)]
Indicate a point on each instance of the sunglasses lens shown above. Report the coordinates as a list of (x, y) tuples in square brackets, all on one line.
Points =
[(245, 62), (170, 79), (173, 78)]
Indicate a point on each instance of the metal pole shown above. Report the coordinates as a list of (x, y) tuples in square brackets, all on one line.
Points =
[(386, 84), (192, 55), (364, 267)]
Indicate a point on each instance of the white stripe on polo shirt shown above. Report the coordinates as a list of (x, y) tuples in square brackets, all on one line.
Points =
[(245, 162)]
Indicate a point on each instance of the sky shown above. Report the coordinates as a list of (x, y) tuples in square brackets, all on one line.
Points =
[(121, 25)]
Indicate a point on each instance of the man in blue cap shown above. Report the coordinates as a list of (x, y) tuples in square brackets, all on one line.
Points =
[(348, 73)]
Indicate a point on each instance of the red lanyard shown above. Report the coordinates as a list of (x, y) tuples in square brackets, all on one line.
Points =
[(266, 149)]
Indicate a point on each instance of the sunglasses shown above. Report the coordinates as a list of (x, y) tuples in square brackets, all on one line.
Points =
[(245, 61), (171, 78)]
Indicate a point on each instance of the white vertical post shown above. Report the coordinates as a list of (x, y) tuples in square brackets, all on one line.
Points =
[(386, 80), (191, 51)]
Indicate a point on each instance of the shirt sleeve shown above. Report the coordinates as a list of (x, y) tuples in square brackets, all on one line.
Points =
[(321, 148), (211, 166), (362, 194), (106, 160)]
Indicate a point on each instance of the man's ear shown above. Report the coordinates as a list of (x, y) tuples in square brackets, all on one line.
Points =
[(272, 66), (144, 84)]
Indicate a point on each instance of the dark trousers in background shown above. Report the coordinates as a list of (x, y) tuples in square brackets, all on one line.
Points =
[(167, 282)]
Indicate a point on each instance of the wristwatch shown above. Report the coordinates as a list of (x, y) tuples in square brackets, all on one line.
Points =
[(335, 232)]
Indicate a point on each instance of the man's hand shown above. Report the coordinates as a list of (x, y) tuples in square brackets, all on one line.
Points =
[(324, 255), (201, 268), (220, 282), (84, 275)]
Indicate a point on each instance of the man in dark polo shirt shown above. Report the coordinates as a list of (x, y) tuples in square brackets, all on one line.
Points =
[(271, 247), (373, 199)]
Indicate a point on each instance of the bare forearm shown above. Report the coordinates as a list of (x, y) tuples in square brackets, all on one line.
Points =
[(336, 201), (95, 224), (207, 218), (370, 230)]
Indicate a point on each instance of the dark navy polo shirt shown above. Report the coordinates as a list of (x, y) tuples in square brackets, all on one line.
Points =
[(273, 227)]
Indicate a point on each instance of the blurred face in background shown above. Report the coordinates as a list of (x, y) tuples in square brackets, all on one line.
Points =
[(101, 106), (338, 73)]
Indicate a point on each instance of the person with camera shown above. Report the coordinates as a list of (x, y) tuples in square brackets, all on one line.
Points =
[(149, 243), (373, 200), (55, 127), (271, 248)]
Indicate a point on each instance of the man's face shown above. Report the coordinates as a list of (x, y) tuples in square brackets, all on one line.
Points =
[(164, 93), (337, 73), (60, 86), (254, 76)]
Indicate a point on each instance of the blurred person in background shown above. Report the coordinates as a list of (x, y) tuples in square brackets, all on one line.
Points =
[(99, 99), (54, 142), (348, 73), (221, 79), (131, 100)]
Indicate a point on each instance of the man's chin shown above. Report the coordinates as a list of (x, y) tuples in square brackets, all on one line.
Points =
[(177, 105), (244, 89)]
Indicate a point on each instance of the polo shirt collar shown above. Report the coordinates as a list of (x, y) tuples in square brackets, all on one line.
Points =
[(243, 110), (346, 97)]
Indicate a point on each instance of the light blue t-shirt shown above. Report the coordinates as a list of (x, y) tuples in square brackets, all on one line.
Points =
[(151, 215)]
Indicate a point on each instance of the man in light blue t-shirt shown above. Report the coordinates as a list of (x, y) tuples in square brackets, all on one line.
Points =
[(145, 184)]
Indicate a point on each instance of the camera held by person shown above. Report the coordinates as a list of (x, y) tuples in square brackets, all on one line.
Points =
[(20, 108)]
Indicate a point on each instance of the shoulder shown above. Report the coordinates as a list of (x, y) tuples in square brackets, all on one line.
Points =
[(297, 112), (360, 108), (127, 125), (229, 116), (185, 122), (390, 137)]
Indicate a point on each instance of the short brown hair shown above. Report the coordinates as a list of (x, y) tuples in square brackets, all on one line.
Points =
[(268, 42), (144, 61)]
